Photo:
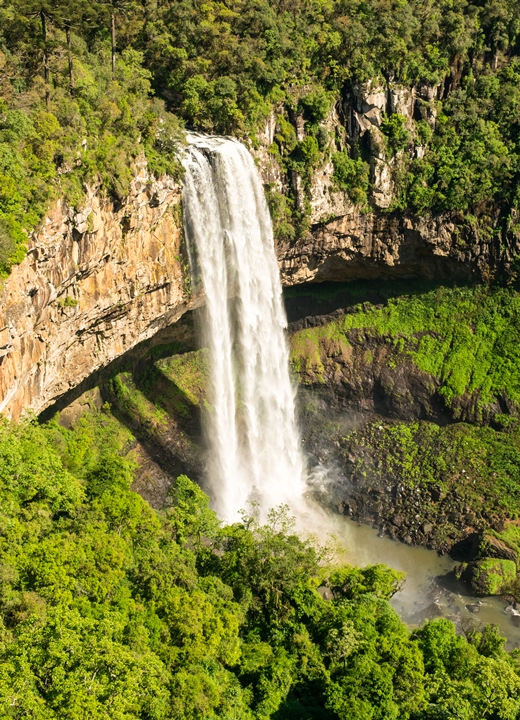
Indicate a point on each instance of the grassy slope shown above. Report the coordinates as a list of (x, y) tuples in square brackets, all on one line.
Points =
[(481, 464), (468, 338)]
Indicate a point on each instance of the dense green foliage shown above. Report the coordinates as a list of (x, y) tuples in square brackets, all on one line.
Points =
[(87, 128), (352, 176), (109, 609), (495, 575), (472, 163), (79, 103), (466, 337)]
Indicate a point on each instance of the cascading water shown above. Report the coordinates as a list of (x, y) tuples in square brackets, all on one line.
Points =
[(251, 424)]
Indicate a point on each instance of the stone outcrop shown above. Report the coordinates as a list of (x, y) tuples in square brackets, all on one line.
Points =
[(362, 372), (348, 242), (368, 245), (93, 285), (489, 576), (364, 107)]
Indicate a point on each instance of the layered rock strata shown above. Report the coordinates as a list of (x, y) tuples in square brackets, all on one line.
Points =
[(370, 245), (93, 285)]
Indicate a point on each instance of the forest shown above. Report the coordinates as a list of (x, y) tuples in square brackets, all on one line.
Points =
[(111, 609), (85, 88)]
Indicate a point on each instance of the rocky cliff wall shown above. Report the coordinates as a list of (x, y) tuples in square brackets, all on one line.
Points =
[(346, 241), (97, 283), (369, 245), (93, 285)]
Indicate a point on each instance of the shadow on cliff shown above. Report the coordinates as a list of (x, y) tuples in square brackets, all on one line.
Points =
[(163, 419), (175, 339), (160, 415), (315, 304)]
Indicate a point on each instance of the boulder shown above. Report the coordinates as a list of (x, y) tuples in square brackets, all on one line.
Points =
[(491, 576), (437, 493), (398, 520), (495, 548)]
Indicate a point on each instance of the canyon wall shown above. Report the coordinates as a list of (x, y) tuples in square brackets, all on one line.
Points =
[(358, 245), (348, 242), (93, 285), (97, 283)]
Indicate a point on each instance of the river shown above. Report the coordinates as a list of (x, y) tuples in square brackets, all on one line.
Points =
[(431, 588)]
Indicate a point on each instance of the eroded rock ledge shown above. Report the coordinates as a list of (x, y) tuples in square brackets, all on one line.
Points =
[(92, 286), (96, 284), (371, 245)]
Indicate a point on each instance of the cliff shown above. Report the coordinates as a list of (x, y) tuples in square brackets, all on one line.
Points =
[(97, 283), (93, 285), (350, 241), (371, 245)]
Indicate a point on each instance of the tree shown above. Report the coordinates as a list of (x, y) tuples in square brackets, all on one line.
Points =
[(44, 10), (69, 15), (111, 9)]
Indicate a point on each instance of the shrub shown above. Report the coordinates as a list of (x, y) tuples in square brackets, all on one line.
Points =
[(352, 176), (396, 135), (316, 104)]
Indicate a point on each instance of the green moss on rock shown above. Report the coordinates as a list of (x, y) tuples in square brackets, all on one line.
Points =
[(478, 464), (490, 576), (466, 338)]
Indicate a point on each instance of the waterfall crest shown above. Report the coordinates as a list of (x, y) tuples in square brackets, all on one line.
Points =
[(251, 425)]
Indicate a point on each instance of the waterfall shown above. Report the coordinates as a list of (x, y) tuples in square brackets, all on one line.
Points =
[(254, 443)]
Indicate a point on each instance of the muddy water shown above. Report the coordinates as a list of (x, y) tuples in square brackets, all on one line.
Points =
[(430, 589)]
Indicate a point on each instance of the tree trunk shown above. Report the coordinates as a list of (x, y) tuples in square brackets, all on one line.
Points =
[(71, 67), (45, 59), (113, 36)]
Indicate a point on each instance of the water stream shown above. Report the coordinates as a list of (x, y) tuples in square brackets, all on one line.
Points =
[(430, 589), (254, 444)]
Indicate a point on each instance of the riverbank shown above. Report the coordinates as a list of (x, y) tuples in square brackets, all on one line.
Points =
[(408, 394), (447, 488), (431, 588)]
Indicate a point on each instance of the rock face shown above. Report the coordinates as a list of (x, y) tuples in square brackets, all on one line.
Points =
[(349, 242), (97, 283), (92, 286), (371, 245)]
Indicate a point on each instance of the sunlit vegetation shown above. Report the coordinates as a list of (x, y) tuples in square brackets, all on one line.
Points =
[(67, 120), (85, 88), (108, 608), (468, 338), (111, 609), (480, 464), (169, 386), (352, 176)]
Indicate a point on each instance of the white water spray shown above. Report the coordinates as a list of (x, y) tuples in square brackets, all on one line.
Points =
[(251, 425)]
